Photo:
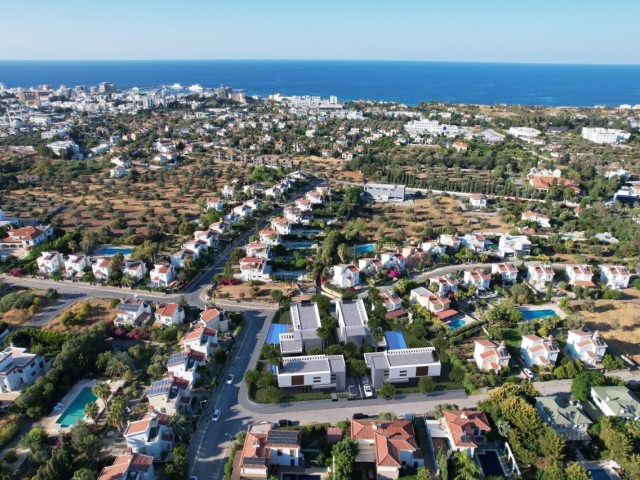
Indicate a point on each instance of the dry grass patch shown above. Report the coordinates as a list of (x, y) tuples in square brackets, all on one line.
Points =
[(101, 311), (262, 292)]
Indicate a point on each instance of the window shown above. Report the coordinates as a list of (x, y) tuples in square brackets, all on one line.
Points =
[(402, 373), (279, 453), (317, 379), (422, 371)]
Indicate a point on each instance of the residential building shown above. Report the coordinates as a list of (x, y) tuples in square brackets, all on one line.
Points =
[(609, 136), (537, 351), (540, 276), (137, 270), (19, 368), (586, 346), (353, 322), (491, 356), (508, 271), (478, 201), (465, 429), (302, 335), (531, 216), (543, 183), (477, 278), (565, 416), (402, 365), (524, 132), (200, 338), (170, 395), (391, 444), (511, 246), (345, 276), (101, 268), (435, 248), (132, 312), (215, 319), (258, 250), (220, 227), (292, 214), (26, 237), (473, 241), (76, 264), (446, 284), (228, 191), (615, 277), (415, 256), (391, 300), (380, 192), (129, 467), (50, 262), (281, 225), (315, 371), (580, 275), (616, 401), (264, 448), (370, 266), (451, 241), (252, 268), (208, 238), (150, 435), (436, 304), (304, 205), (314, 197), (168, 314), (393, 261), (185, 364), (162, 275)]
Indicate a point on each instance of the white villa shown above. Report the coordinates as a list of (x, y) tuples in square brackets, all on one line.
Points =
[(539, 351), (586, 346), (615, 277)]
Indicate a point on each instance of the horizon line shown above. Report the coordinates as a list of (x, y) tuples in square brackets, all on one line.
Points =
[(488, 62)]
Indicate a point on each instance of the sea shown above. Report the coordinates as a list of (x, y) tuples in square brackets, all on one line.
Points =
[(393, 81)]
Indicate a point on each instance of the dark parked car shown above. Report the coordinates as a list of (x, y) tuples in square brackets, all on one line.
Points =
[(359, 416)]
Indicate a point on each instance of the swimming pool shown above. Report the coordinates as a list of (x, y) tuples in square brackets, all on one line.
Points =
[(75, 411), (536, 314), (490, 464), (395, 340), (453, 324), (599, 474), (297, 245), (126, 251), (366, 248), (273, 336)]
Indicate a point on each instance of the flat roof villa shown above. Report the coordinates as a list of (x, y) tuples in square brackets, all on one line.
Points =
[(402, 365), (314, 371), (302, 335), (353, 323)]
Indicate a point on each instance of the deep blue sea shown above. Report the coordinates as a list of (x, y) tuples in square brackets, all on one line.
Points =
[(407, 82)]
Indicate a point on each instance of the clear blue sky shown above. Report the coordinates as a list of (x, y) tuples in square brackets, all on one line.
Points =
[(553, 31)]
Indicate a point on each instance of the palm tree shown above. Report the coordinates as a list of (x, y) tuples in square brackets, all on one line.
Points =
[(466, 467), (102, 391), (91, 410), (127, 281), (116, 418), (181, 425), (118, 364)]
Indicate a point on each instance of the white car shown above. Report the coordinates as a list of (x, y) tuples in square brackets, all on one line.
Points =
[(216, 415), (368, 391), (230, 379), (527, 373)]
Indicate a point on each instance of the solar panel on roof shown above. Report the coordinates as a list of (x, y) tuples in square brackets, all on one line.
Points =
[(254, 461), (283, 437), (159, 387), (128, 307), (177, 358)]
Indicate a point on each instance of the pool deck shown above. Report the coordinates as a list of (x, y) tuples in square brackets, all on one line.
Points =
[(49, 422)]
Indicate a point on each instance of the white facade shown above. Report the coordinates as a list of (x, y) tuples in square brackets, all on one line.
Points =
[(478, 278), (252, 268), (135, 269), (511, 246), (605, 135), (615, 277), (580, 275), (508, 271), (50, 262), (491, 356), (169, 314), (101, 268), (19, 368), (162, 275), (540, 276), (586, 346), (542, 352), (345, 276), (151, 435), (75, 264)]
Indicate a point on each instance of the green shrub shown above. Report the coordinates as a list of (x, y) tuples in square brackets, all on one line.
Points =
[(10, 456), (7, 432), (16, 300)]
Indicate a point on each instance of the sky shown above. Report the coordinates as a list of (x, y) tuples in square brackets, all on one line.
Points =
[(539, 31)]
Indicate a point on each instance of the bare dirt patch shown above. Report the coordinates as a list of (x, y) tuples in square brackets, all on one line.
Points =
[(263, 294), (101, 311), (619, 323)]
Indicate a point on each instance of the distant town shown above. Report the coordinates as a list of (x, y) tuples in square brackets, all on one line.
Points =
[(197, 283)]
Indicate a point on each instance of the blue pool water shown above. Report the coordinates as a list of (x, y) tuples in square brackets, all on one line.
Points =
[(369, 247), (395, 340), (490, 464), (535, 314), (126, 251), (273, 336), (297, 245), (599, 474), (75, 411), (453, 324)]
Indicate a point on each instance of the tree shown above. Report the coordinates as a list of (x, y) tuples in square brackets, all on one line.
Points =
[(102, 391), (60, 464), (551, 444), (272, 394), (84, 474), (553, 470), (118, 364), (456, 374), (251, 377), (575, 471), (466, 467), (84, 441), (178, 468), (582, 383), (37, 441), (343, 455), (91, 410), (426, 384), (181, 425), (616, 441), (358, 366), (424, 473), (277, 295), (388, 390), (271, 353)]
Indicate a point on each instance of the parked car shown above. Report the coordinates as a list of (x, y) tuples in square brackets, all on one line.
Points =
[(368, 391), (527, 373), (284, 423), (359, 416), (364, 380), (216, 415), (352, 392), (229, 379)]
